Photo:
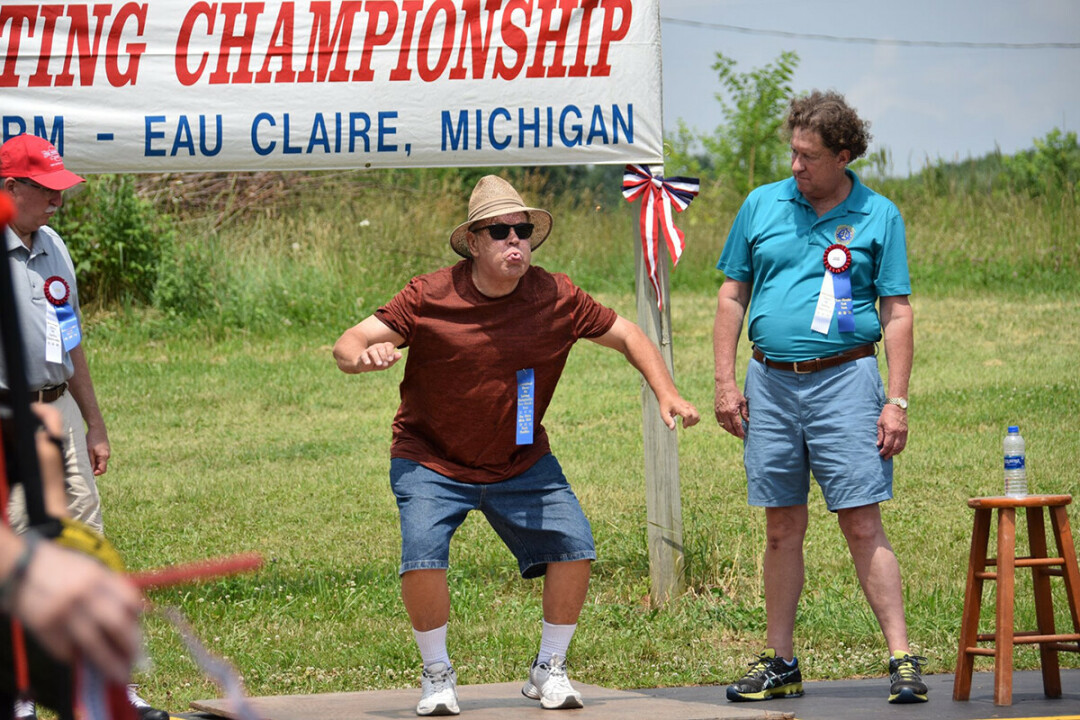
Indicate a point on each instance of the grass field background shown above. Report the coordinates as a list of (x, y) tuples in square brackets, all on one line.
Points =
[(232, 431)]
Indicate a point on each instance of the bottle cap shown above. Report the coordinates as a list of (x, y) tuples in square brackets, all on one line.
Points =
[(1014, 428)]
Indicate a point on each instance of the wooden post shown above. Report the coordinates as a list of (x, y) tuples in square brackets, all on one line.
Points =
[(667, 564)]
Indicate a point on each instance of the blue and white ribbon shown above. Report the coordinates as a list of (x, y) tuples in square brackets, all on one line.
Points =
[(61, 322), (526, 406), (835, 294)]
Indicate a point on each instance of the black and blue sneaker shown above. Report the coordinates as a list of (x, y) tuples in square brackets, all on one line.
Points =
[(907, 683), (769, 677)]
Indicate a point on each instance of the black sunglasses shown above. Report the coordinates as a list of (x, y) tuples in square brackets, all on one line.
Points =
[(501, 231)]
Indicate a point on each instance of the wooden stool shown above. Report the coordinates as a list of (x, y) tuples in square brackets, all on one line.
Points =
[(1042, 567)]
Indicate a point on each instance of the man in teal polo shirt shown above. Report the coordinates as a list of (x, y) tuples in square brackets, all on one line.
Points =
[(820, 261)]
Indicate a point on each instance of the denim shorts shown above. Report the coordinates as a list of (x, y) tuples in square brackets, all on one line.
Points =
[(823, 422), (535, 513)]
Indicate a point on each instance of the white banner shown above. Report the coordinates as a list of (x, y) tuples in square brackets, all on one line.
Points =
[(180, 85)]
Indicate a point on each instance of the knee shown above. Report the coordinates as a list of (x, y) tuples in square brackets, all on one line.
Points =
[(862, 529), (784, 533)]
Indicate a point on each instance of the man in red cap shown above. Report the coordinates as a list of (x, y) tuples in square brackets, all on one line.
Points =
[(47, 306)]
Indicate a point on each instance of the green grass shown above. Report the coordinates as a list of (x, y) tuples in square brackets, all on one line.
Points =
[(236, 441)]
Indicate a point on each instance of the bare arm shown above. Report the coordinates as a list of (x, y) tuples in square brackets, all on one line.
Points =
[(631, 341), (897, 323), (74, 605), (82, 389), (50, 459), (367, 346), (730, 404)]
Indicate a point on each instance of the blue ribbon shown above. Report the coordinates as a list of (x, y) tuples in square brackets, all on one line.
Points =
[(70, 334), (526, 393), (845, 313)]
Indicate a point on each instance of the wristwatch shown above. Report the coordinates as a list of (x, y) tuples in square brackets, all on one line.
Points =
[(898, 401)]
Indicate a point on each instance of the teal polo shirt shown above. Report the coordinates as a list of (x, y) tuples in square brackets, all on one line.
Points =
[(777, 244)]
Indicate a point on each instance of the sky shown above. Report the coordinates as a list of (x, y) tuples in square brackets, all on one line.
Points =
[(924, 103)]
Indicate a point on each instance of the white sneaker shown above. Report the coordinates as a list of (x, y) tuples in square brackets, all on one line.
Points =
[(549, 683), (25, 710), (438, 685)]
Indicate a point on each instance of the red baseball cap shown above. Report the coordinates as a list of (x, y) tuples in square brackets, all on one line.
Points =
[(28, 156)]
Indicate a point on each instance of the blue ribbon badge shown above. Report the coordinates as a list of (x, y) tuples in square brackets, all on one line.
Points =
[(526, 394), (60, 317), (838, 262)]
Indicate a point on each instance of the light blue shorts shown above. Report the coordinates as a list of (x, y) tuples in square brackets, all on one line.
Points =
[(535, 513), (823, 422)]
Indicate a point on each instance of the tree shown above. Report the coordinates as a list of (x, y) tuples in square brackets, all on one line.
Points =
[(1052, 166), (750, 149)]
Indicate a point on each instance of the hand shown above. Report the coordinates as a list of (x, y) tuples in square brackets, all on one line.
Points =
[(379, 356), (73, 605), (892, 431), (731, 409), (679, 408), (97, 444)]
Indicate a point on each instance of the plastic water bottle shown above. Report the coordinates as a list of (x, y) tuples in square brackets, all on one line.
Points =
[(1015, 471)]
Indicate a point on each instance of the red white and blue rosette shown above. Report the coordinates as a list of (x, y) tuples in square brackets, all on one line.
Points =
[(837, 261), (658, 196), (58, 293)]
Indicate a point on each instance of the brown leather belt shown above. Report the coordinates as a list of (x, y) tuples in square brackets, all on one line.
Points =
[(810, 366), (45, 395)]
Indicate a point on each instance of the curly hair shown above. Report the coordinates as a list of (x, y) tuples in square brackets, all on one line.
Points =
[(829, 115)]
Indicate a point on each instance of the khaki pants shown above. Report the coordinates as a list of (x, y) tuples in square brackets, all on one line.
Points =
[(84, 503)]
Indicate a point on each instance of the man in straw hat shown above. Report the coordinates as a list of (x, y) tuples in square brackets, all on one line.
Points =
[(488, 339)]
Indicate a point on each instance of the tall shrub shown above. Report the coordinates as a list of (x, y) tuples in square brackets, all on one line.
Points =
[(1052, 166), (116, 240)]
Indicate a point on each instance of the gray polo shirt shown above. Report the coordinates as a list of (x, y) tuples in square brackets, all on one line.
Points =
[(30, 268)]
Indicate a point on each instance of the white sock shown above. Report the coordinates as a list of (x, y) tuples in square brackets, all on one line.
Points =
[(555, 640), (432, 644)]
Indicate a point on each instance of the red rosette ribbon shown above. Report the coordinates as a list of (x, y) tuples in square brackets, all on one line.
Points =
[(837, 258), (57, 290)]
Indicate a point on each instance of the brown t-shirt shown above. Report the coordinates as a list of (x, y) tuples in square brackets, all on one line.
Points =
[(458, 413)]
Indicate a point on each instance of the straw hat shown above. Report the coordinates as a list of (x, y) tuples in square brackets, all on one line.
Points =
[(492, 197)]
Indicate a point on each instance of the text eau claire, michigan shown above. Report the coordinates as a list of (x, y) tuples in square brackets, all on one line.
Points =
[(360, 132)]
